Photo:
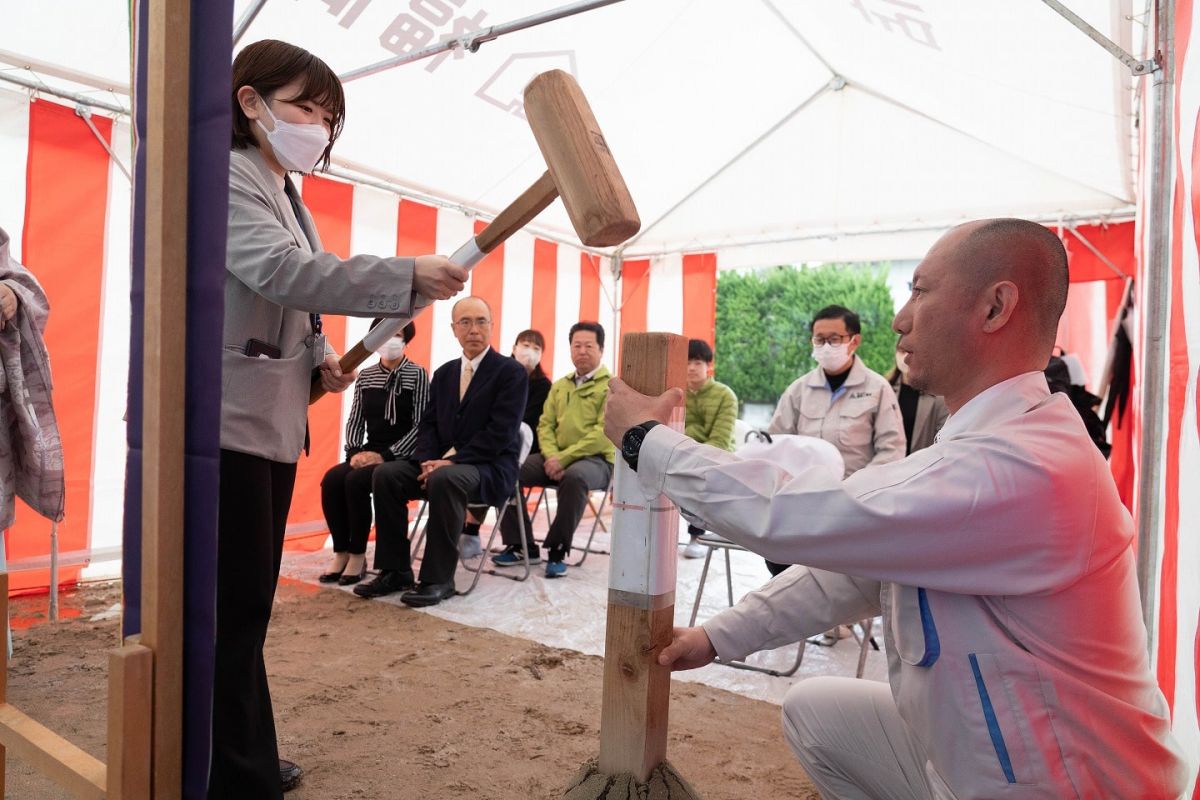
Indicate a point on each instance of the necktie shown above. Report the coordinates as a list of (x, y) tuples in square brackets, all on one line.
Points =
[(465, 380)]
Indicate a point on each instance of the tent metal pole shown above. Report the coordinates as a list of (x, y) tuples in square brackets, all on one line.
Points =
[(471, 41), (1103, 258), (54, 572), (1157, 282), (78, 99), (39, 67), (85, 113), (246, 20), (1138, 68)]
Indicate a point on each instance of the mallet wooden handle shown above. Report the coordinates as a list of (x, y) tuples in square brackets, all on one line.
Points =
[(516, 216)]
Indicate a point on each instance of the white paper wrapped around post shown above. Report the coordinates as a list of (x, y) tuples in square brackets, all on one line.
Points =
[(645, 535)]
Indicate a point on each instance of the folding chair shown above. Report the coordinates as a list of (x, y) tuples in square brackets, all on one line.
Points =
[(715, 542), (483, 559), (501, 510)]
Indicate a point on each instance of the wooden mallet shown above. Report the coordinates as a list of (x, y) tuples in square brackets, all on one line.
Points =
[(580, 169)]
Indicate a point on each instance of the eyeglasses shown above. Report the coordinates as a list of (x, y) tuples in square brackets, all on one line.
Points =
[(834, 340), (465, 324)]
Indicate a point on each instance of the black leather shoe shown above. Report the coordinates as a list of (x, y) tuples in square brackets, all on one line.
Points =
[(329, 577), (289, 774), (350, 580), (386, 582), (428, 594)]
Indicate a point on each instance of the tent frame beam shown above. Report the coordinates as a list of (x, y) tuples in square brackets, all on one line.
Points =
[(1138, 68), (470, 42)]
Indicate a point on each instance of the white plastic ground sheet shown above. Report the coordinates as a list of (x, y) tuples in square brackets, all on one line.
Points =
[(570, 612)]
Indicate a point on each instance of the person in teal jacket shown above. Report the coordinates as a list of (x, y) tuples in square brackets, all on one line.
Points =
[(711, 410), (576, 457)]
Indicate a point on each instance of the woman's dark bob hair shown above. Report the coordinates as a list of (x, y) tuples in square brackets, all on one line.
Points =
[(269, 65)]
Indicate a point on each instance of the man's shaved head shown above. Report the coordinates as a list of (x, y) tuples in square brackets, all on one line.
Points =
[(985, 306), (1026, 253)]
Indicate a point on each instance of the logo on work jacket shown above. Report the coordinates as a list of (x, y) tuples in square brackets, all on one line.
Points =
[(857, 395)]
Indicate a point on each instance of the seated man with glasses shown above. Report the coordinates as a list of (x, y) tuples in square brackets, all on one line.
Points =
[(841, 401), (468, 444), (576, 456)]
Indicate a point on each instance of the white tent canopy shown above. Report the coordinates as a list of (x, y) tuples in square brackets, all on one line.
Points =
[(767, 131)]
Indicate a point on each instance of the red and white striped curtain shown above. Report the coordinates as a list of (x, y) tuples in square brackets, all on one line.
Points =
[(66, 206)]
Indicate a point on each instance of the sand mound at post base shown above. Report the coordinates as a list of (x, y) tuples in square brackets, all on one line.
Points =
[(664, 784)]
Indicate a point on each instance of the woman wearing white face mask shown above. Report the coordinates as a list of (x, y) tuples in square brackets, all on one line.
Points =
[(389, 399), (288, 107), (528, 351)]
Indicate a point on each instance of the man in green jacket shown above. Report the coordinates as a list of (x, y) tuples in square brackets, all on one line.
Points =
[(576, 456), (711, 411)]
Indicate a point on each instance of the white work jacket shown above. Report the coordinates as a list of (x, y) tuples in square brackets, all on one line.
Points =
[(1001, 561), (861, 419)]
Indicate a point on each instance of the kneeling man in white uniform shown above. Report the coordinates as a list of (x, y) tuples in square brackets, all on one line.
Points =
[(1000, 558)]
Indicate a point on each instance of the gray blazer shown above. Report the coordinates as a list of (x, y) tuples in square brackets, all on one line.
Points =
[(276, 274), (930, 417)]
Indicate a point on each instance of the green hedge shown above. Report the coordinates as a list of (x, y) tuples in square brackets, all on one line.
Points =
[(764, 321)]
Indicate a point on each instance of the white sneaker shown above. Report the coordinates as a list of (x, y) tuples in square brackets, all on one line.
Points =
[(694, 550), (469, 546)]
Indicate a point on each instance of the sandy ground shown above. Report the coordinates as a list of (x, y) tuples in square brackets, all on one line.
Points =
[(379, 701)]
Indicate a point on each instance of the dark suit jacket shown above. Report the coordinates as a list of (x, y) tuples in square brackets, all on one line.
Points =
[(484, 429)]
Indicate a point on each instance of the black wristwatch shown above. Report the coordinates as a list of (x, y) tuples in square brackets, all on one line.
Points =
[(631, 442)]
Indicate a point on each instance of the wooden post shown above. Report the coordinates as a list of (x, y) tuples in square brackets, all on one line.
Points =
[(130, 702), (167, 71), (641, 594)]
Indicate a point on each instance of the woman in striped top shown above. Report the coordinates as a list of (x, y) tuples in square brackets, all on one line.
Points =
[(389, 399)]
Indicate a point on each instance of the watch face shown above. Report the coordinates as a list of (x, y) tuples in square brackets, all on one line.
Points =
[(631, 443)]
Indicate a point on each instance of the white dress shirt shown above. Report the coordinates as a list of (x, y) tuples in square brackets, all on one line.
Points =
[(1001, 561)]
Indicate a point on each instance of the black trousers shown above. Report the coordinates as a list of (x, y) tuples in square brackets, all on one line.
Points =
[(449, 489), (255, 495), (346, 501), (578, 479)]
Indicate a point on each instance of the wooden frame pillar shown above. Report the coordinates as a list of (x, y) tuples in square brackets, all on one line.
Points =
[(163, 366)]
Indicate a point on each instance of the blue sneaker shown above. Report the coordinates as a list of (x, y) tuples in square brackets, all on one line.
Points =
[(555, 569), (511, 557)]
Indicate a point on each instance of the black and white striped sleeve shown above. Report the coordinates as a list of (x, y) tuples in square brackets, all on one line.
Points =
[(416, 380), (356, 425)]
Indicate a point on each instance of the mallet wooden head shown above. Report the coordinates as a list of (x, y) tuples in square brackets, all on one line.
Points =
[(579, 160)]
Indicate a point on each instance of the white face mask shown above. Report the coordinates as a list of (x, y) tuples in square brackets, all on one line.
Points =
[(297, 145), (392, 349), (902, 362), (529, 356), (832, 357)]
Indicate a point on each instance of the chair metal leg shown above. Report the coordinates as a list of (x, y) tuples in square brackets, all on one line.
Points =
[(418, 539), (867, 641), (597, 522), (700, 588), (500, 512), (790, 671)]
